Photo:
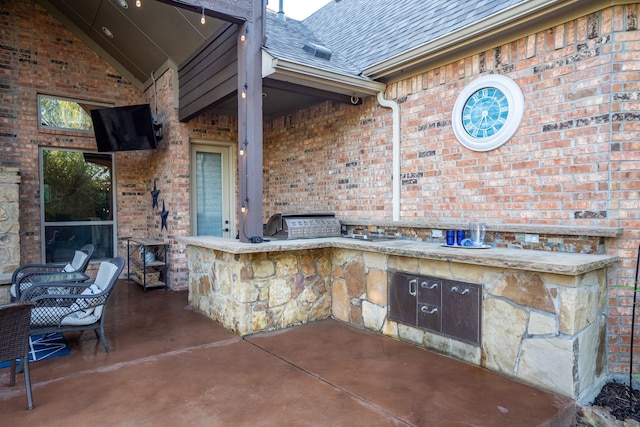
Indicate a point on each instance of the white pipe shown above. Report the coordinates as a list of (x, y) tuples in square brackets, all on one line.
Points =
[(395, 110)]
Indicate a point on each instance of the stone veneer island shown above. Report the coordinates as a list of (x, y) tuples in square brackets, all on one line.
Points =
[(543, 313)]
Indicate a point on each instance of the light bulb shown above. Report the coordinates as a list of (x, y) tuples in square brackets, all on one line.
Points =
[(138, 3), (242, 152), (243, 37), (243, 209), (202, 20), (244, 94)]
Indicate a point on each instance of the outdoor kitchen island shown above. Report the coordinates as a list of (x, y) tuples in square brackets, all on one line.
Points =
[(541, 317)]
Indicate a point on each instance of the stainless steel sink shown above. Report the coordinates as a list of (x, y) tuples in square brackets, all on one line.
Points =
[(369, 237)]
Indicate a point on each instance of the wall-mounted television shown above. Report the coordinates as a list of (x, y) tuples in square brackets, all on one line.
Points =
[(124, 128)]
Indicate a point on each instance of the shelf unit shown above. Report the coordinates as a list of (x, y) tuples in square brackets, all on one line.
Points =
[(149, 274)]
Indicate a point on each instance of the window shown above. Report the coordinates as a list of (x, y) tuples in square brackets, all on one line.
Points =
[(63, 113), (77, 200)]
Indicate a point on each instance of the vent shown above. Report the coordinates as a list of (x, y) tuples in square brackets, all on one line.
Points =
[(318, 51)]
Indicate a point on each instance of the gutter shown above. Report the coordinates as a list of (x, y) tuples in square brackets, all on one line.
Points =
[(395, 111), (293, 72)]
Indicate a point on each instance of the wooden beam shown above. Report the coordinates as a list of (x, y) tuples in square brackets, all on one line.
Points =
[(250, 37)]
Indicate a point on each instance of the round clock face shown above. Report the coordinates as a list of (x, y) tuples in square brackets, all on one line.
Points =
[(485, 112), (488, 112)]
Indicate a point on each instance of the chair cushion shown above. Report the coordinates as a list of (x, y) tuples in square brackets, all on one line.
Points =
[(105, 274), (81, 307), (78, 312), (78, 260), (74, 320)]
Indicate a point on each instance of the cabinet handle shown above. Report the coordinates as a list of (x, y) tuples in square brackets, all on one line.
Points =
[(427, 285), (413, 289), (426, 310), (462, 291)]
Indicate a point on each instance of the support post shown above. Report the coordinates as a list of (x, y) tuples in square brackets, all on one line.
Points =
[(250, 212)]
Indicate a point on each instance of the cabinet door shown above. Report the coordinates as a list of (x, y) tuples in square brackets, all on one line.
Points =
[(429, 290), (429, 303), (403, 291), (461, 304), (429, 317)]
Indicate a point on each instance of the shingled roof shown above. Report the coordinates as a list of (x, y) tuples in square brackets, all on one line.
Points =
[(286, 40), (363, 33), (370, 31)]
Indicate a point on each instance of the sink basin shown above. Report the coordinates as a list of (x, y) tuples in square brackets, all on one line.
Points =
[(369, 237)]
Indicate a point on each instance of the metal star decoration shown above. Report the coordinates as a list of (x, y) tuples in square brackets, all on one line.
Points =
[(154, 194), (163, 216)]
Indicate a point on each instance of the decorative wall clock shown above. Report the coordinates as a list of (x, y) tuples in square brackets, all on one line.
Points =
[(488, 112)]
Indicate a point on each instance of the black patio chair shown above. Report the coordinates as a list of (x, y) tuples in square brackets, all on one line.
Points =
[(20, 278), (71, 306), (14, 341)]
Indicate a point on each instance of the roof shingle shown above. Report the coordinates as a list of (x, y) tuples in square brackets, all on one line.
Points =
[(367, 32)]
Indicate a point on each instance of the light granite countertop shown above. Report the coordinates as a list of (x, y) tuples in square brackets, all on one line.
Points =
[(518, 259)]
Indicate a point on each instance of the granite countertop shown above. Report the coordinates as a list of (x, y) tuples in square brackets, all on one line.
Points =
[(519, 259)]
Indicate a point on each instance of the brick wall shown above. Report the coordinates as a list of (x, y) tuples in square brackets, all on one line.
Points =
[(574, 160), (38, 55)]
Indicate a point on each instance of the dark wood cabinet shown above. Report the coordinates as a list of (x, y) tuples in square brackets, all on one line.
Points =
[(402, 297), (449, 307), (461, 304)]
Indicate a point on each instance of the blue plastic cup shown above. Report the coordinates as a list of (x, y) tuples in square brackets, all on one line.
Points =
[(460, 236), (451, 237)]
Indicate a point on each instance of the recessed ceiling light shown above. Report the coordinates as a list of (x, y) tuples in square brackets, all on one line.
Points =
[(107, 32), (123, 4)]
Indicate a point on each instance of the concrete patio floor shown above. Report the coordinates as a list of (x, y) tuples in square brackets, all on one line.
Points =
[(171, 366)]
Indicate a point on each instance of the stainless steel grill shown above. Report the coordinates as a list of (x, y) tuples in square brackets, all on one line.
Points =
[(302, 226)]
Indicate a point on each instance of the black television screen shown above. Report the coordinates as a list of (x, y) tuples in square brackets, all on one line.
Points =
[(124, 128)]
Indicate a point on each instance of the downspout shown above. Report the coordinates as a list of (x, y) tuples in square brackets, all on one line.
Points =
[(395, 110)]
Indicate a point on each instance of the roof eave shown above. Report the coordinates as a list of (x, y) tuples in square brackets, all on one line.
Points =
[(305, 75), (510, 24)]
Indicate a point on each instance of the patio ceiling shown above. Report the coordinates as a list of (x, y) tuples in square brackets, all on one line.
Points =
[(146, 39)]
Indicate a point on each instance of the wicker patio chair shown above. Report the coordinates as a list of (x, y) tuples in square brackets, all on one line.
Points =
[(14, 340), (65, 307), (20, 278)]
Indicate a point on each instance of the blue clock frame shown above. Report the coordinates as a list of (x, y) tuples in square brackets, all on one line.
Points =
[(488, 112)]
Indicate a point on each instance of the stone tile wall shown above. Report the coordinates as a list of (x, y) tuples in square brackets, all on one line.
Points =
[(252, 293), (544, 329), (9, 228), (547, 330)]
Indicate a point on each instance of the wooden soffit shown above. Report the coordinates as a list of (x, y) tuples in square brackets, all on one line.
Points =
[(234, 11)]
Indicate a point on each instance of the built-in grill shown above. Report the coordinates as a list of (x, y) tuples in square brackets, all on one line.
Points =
[(302, 226)]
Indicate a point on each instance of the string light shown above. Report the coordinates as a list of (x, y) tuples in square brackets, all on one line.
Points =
[(245, 205), (244, 91), (243, 37), (202, 20), (138, 3), (245, 144)]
